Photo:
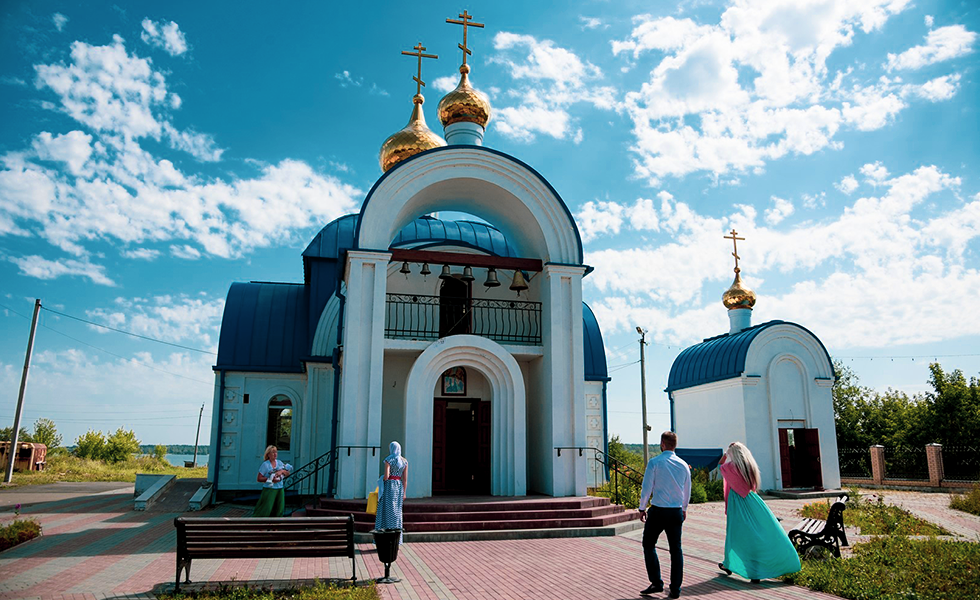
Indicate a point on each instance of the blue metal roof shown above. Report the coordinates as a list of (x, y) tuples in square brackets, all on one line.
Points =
[(338, 236), (595, 352), (264, 328), (719, 358)]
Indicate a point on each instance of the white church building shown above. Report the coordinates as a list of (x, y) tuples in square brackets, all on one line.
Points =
[(465, 340), (767, 386)]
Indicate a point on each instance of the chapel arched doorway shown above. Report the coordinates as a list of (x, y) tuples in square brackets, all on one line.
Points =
[(461, 424)]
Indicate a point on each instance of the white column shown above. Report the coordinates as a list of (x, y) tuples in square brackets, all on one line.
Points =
[(362, 363), (564, 404), (317, 410)]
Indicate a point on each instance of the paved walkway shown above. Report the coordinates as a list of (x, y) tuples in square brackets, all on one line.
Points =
[(96, 546)]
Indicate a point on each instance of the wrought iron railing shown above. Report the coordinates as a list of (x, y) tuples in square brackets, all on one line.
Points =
[(419, 317), (961, 463), (903, 462), (855, 462), (310, 479), (609, 477)]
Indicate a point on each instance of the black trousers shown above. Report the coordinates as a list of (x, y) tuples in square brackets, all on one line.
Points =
[(669, 521)]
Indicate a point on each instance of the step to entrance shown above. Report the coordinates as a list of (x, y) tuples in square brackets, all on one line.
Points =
[(484, 517)]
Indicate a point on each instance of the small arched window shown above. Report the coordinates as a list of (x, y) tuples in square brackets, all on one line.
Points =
[(280, 428)]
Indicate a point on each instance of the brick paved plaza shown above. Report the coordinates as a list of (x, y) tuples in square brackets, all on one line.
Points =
[(96, 546)]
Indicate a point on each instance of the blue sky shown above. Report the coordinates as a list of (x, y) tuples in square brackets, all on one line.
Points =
[(152, 154)]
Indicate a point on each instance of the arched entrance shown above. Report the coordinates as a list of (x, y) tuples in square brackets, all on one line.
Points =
[(462, 422)]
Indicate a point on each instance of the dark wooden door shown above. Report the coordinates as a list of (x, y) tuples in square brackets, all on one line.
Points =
[(454, 307), (439, 446), (811, 457), (785, 458), (482, 484)]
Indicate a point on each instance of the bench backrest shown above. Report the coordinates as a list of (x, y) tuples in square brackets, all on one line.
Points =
[(216, 537)]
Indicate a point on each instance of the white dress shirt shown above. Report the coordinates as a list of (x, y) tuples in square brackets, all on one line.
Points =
[(666, 482)]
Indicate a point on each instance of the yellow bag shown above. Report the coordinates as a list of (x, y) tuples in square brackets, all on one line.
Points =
[(372, 505)]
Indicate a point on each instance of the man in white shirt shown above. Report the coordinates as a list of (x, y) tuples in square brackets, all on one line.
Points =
[(667, 490)]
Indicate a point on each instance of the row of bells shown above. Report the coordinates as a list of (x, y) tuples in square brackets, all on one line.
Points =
[(519, 284)]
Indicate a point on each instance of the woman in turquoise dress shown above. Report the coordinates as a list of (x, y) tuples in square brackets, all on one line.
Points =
[(756, 547), (391, 492)]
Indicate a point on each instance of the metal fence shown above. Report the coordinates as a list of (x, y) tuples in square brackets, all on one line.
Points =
[(419, 317), (961, 463), (904, 462), (854, 462)]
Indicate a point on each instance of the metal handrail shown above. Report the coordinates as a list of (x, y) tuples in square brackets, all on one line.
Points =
[(423, 317), (615, 467), (373, 449), (310, 469)]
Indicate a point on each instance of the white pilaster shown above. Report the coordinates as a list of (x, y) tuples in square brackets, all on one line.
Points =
[(362, 365), (564, 402)]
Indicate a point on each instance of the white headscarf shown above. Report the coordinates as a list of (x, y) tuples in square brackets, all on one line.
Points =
[(396, 452)]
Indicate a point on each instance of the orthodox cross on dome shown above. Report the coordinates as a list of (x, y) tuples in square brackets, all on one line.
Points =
[(419, 52), (467, 21), (734, 238)]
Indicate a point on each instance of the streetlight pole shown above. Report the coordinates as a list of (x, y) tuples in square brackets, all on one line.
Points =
[(643, 392), (12, 455)]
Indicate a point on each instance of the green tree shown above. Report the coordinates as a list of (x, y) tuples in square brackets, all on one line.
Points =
[(46, 433), (90, 444), (619, 452), (952, 415), (160, 452), (120, 446), (24, 435)]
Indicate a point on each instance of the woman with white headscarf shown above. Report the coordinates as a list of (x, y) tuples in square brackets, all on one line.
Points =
[(391, 495)]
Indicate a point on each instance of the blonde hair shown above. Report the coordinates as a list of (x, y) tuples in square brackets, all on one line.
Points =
[(744, 463), (268, 450)]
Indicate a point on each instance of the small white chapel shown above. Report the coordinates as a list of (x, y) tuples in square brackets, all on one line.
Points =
[(767, 386), (465, 340)]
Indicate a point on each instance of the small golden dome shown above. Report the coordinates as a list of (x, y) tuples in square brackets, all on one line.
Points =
[(464, 104), (738, 296), (416, 137)]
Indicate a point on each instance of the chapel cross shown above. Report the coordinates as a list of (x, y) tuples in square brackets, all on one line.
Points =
[(419, 49), (734, 238), (467, 21)]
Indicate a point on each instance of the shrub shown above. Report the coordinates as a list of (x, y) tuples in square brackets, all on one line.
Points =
[(121, 446), (969, 502), (715, 490), (874, 517), (698, 495), (160, 452), (18, 532), (90, 444), (46, 433)]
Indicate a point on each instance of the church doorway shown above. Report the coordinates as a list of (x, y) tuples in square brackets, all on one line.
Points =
[(461, 446), (799, 458), (454, 307)]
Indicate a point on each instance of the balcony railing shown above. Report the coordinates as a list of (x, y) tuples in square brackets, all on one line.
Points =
[(418, 317)]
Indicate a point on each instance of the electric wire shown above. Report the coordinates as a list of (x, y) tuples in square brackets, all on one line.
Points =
[(130, 333)]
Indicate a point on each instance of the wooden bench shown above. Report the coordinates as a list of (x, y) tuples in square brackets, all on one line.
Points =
[(283, 537), (814, 536)]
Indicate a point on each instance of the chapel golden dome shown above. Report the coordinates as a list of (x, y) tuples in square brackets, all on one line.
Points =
[(416, 137), (465, 103), (738, 296)]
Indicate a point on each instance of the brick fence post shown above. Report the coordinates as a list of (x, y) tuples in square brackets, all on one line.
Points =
[(934, 456), (877, 463)]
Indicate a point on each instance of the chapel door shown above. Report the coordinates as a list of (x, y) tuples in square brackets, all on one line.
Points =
[(439, 446), (454, 307), (461, 447), (810, 457), (785, 457), (482, 483)]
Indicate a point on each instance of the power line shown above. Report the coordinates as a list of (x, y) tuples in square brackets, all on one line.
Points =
[(136, 335)]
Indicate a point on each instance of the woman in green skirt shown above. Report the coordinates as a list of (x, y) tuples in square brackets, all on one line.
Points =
[(272, 473)]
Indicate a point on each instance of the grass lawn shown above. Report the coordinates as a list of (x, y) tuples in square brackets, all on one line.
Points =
[(71, 468), (968, 502), (874, 517), (317, 591)]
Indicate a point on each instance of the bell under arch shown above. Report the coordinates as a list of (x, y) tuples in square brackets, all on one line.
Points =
[(477, 180)]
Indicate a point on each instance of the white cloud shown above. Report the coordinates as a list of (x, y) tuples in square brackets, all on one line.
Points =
[(73, 148), (166, 36), (781, 208), (941, 44), (445, 84), (592, 23), (185, 251), (141, 254), (929, 20), (875, 172), (549, 79), (938, 89), (10, 80), (59, 21), (42, 268), (875, 249), (346, 80), (847, 185), (182, 318)]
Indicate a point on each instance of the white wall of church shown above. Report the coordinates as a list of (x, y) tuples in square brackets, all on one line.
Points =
[(709, 416), (539, 429)]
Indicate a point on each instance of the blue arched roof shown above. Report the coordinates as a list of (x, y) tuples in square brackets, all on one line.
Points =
[(265, 327), (719, 358), (338, 236), (595, 352)]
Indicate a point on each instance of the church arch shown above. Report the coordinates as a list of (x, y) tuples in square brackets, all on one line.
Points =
[(487, 183), (508, 399)]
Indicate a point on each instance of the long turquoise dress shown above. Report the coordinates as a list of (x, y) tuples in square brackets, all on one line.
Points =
[(756, 547)]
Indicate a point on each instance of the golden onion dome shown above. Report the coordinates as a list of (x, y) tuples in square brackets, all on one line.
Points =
[(416, 137), (738, 296), (465, 103)]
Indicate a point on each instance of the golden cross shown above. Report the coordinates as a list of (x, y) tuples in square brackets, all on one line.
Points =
[(467, 21), (419, 49), (734, 238)]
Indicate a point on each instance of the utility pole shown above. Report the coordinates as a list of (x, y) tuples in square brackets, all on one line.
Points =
[(12, 455), (197, 438), (643, 393)]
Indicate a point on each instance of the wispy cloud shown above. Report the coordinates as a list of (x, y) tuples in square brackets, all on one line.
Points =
[(941, 44), (59, 21), (166, 36)]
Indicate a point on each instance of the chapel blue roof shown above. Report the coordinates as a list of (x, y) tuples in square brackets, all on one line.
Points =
[(264, 328), (595, 352), (338, 236), (719, 358)]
